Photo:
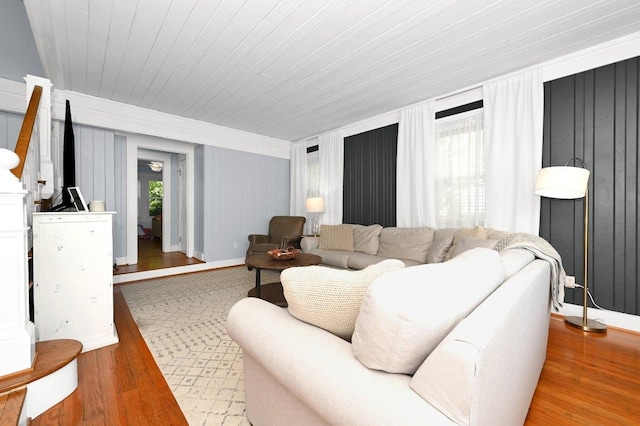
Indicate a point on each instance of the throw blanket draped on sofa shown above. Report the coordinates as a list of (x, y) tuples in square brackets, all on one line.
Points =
[(541, 249)]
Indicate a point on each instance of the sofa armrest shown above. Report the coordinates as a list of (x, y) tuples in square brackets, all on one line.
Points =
[(309, 243), (320, 370), (480, 373)]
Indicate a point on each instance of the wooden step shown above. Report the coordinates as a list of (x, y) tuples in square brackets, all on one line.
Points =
[(51, 356), (11, 404)]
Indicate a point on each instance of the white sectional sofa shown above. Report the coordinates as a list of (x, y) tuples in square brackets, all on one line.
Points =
[(459, 342)]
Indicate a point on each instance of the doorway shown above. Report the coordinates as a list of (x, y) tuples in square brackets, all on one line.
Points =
[(178, 234)]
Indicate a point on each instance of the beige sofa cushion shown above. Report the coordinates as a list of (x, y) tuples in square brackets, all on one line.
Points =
[(405, 243), (330, 298), (336, 237), (405, 314), (366, 239)]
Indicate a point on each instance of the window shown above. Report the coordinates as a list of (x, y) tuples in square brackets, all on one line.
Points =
[(313, 172), (460, 181), (155, 197)]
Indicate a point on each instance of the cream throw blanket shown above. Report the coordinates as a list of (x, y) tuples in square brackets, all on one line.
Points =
[(541, 249)]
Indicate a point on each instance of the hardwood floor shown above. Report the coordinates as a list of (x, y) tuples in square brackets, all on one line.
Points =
[(150, 257), (117, 385), (587, 379)]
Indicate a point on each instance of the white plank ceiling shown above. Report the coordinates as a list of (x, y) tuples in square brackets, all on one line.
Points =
[(295, 68)]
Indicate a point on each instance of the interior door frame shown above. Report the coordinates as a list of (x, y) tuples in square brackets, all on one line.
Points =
[(136, 142), (168, 191)]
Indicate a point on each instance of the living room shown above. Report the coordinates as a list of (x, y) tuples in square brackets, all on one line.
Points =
[(233, 169)]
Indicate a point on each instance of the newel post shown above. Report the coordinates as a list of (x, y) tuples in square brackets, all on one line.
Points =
[(17, 333)]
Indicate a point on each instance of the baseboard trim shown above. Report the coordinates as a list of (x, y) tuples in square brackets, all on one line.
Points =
[(178, 270)]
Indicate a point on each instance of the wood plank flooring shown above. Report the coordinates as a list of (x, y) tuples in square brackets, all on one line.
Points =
[(151, 257), (588, 378), (118, 385)]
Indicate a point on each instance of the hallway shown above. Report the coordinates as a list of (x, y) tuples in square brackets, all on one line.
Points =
[(151, 257)]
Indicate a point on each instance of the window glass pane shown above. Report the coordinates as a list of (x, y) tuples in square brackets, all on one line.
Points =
[(313, 174), (155, 197), (460, 182)]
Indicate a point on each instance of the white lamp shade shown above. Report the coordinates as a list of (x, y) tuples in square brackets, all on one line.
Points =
[(315, 205), (563, 182)]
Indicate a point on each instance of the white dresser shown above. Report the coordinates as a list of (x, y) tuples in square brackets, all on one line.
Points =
[(73, 277)]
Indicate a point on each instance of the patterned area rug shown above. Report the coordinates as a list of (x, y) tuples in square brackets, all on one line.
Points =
[(182, 320)]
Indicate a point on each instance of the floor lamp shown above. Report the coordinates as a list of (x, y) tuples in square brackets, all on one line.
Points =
[(568, 182)]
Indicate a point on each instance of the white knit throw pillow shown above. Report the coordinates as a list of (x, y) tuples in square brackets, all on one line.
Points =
[(330, 298)]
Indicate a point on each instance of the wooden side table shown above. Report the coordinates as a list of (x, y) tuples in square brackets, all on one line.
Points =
[(273, 292)]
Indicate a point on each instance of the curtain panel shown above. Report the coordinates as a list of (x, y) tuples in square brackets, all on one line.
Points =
[(331, 147), (513, 124), (415, 177), (298, 179)]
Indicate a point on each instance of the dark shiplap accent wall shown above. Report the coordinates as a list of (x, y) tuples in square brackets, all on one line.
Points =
[(594, 115), (370, 177)]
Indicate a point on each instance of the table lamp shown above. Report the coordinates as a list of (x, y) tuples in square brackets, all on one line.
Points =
[(315, 205)]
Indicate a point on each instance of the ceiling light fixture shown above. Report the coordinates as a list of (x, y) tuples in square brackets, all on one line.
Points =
[(156, 166)]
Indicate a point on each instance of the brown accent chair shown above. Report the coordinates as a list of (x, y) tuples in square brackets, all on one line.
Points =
[(284, 231)]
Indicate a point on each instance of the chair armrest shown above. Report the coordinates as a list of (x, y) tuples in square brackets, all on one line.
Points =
[(258, 238)]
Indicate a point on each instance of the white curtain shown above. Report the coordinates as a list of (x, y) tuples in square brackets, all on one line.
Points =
[(298, 179), (415, 178), (460, 182), (331, 147), (513, 117)]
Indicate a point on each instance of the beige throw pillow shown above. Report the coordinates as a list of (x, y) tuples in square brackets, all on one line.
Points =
[(478, 233), (366, 239), (330, 298), (336, 237), (442, 241)]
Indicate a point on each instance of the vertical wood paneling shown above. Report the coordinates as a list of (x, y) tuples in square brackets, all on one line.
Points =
[(594, 116), (10, 125), (241, 192), (120, 196), (101, 175), (370, 177)]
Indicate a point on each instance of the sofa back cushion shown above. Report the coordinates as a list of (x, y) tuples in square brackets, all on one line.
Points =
[(366, 239), (405, 243), (336, 237), (406, 313), (330, 298)]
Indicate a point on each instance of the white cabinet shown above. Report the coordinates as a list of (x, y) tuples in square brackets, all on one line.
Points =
[(73, 277)]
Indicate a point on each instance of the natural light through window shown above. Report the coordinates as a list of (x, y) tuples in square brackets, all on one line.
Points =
[(155, 197), (460, 182)]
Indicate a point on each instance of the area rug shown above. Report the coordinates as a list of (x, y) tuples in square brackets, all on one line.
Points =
[(182, 320)]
